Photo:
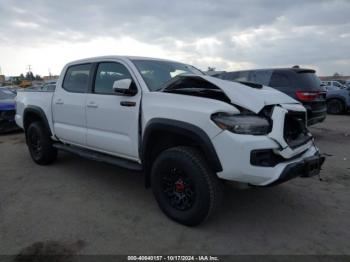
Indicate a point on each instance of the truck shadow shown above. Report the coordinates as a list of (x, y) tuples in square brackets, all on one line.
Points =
[(247, 207)]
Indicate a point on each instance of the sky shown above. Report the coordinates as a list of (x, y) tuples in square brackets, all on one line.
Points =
[(226, 35)]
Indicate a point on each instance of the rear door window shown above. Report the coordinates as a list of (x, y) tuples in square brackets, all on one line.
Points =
[(337, 84), (76, 79), (279, 80), (237, 76), (260, 77)]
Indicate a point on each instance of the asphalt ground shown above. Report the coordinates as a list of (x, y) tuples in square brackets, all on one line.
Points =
[(96, 208)]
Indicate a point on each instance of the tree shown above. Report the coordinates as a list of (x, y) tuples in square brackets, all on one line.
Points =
[(21, 77), (38, 77), (29, 76), (336, 74), (211, 68)]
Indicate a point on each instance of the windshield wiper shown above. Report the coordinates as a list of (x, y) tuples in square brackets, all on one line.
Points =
[(173, 80), (202, 90), (251, 84)]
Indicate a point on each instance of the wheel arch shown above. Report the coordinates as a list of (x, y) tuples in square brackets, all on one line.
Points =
[(340, 98), (162, 133), (35, 113)]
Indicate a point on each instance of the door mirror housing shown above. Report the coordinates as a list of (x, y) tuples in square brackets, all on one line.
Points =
[(125, 87)]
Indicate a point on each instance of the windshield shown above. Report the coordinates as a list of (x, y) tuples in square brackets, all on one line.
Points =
[(157, 73), (6, 94)]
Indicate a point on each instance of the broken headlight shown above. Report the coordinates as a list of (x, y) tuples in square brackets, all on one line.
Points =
[(242, 124)]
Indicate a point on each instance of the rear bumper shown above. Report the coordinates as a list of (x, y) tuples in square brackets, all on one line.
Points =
[(8, 126), (7, 121), (316, 113)]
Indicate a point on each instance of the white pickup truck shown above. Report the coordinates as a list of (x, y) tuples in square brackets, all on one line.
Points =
[(184, 130)]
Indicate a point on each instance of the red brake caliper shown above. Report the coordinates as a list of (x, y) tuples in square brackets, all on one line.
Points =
[(179, 186)]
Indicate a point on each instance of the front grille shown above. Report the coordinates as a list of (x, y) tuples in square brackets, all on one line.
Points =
[(295, 132)]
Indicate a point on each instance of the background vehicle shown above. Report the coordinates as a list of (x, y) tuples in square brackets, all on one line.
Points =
[(7, 110), (49, 86), (347, 83), (333, 85), (186, 131), (338, 100), (301, 84), (25, 84), (331, 88)]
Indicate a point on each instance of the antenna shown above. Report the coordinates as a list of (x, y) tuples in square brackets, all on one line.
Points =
[(29, 68)]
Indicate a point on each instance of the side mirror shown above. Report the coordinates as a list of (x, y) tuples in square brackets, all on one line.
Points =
[(124, 87)]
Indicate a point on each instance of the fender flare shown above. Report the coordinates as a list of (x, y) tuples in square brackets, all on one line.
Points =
[(181, 128), (40, 113)]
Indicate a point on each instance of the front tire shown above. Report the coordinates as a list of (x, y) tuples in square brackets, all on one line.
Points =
[(335, 106), (40, 144), (186, 189)]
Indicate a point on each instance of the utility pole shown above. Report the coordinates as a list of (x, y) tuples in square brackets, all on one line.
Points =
[(29, 68)]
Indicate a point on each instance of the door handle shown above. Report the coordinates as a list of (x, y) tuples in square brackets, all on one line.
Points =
[(59, 102), (92, 105), (127, 103)]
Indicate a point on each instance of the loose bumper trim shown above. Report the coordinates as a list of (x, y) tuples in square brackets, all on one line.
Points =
[(307, 167)]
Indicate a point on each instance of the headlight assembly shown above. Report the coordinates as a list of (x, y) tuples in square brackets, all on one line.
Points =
[(242, 124)]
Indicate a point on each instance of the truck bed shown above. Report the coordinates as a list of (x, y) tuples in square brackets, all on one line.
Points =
[(33, 99)]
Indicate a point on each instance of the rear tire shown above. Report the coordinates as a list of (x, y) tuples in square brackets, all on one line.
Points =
[(335, 106), (186, 189), (40, 144)]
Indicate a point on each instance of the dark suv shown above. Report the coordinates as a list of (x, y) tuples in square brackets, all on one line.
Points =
[(301, 84)]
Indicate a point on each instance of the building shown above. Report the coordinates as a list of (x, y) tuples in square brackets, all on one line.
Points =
[(50, 78)]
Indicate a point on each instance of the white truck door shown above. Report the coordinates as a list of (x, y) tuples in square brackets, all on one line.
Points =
[(112, 118), (68, 105)]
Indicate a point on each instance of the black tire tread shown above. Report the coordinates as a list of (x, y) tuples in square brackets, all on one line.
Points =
[(215, 185), (213, 182), (340, 101), (50, 153)]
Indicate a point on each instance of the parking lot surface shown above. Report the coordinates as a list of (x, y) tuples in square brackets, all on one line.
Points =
[(109, 211)]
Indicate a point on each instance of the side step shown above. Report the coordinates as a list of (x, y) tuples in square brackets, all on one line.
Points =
[(101, 157)]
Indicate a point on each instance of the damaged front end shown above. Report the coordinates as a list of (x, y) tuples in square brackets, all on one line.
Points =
[(269, 129), (291, 133)]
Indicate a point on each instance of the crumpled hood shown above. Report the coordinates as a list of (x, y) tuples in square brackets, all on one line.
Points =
[(7, 104), (250, 98)]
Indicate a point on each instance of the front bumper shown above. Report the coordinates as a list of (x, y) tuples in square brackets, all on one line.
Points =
[(234, 152), (307, 167), (273, 158)]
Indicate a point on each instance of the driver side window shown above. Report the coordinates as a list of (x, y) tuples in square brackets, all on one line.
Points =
[(107, 73)]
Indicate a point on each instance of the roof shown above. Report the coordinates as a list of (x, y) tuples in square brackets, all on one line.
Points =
[(110, 57), (277, 69)]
